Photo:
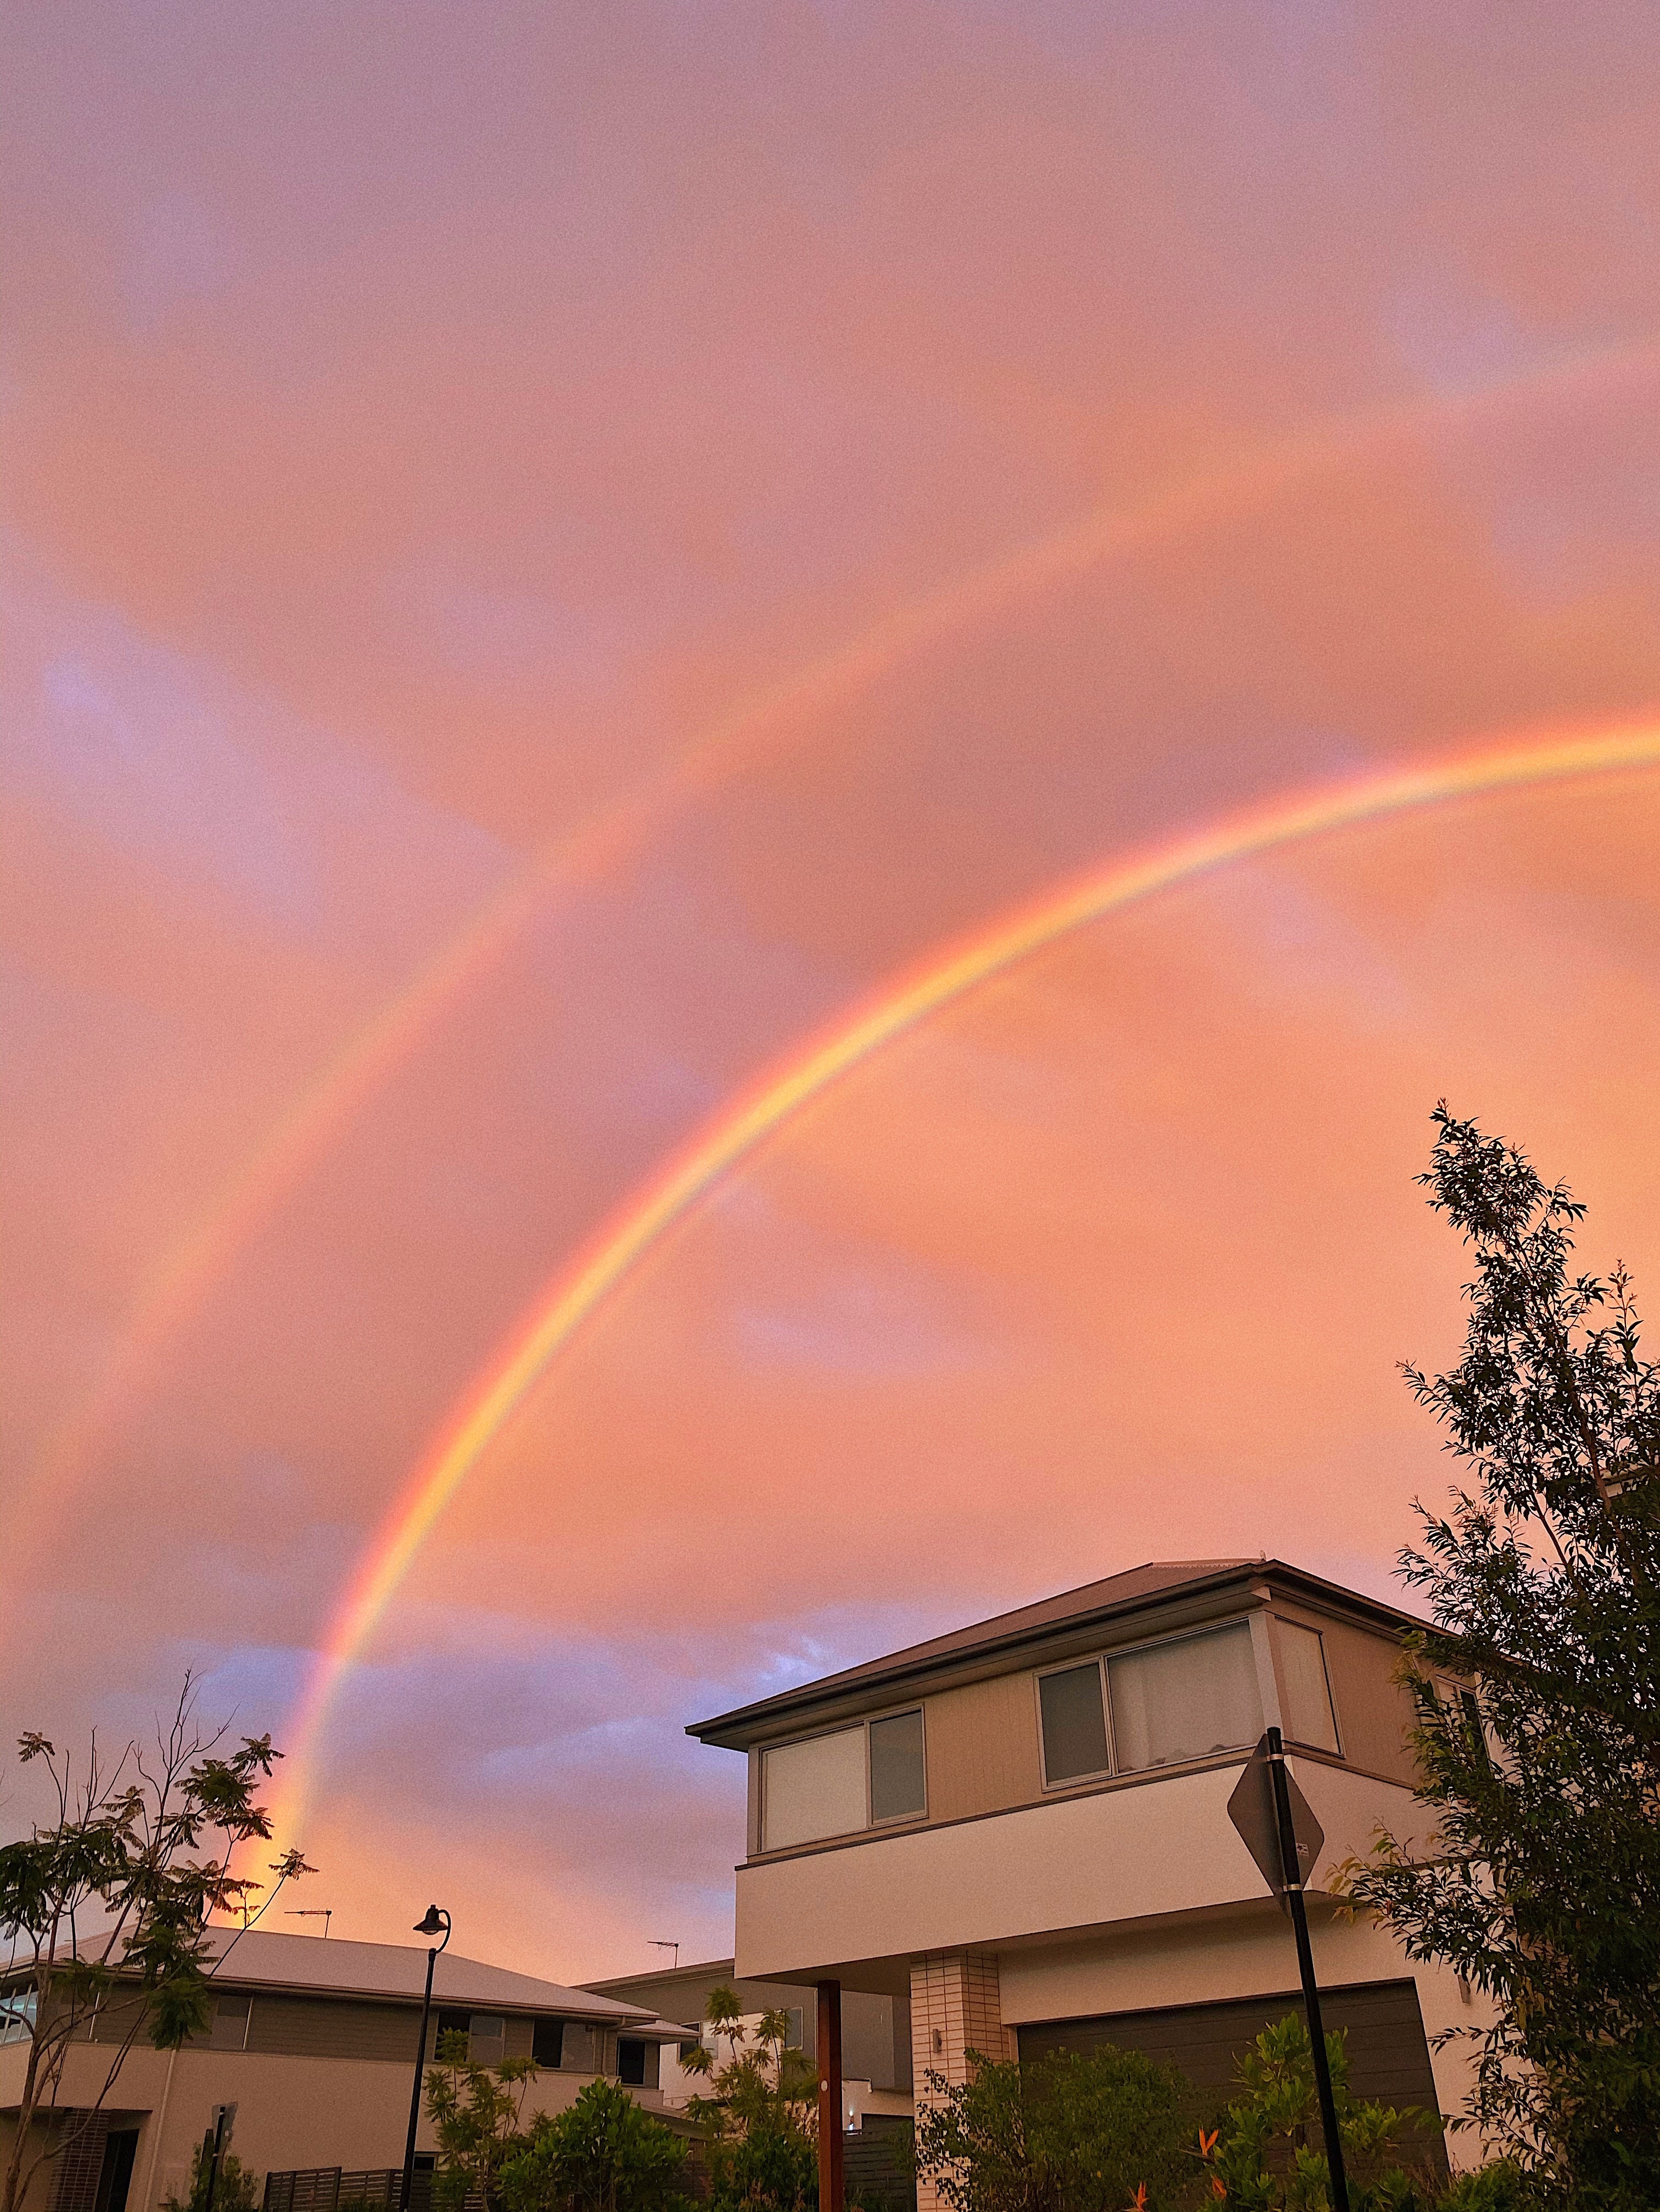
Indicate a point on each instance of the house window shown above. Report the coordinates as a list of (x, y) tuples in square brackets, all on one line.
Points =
[(1309, 1715), (487, 2038), (815, 1789), (231, 2012), (898, 1790), (1075, 1722), (16, 2015), (1166, 1703), (547, 2045), (631, 2060), (836, 1784), (1184, 1699), (449, 2024)]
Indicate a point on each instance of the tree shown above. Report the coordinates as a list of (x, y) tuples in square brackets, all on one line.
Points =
[(475, 2111), (1537, 1693), (1072, 2132), (108, 1905), (603, 2154), (234, 2190), (1262, 2154), (760, 2111)]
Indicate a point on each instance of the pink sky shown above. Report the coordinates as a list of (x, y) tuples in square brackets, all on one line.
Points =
[(427, 428)]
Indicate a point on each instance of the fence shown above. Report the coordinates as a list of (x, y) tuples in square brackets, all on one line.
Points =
[(333, 2189)]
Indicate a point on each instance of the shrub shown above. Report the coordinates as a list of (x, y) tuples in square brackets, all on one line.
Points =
[(1071, 2133), (603, 2154)]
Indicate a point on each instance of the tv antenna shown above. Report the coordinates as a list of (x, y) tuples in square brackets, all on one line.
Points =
[(662, 1943), (323, 1912)]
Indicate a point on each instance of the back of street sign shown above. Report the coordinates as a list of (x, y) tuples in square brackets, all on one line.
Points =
[(1251, 1810)]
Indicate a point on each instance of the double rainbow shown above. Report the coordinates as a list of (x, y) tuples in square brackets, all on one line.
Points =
[(209, 1249), (585, 1280)]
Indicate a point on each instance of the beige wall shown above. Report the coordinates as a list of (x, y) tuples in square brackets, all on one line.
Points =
[(292, 2111), (1144, 1849), (981, 1747)]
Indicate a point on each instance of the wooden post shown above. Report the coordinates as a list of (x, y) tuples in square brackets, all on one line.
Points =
[(831, 2188)]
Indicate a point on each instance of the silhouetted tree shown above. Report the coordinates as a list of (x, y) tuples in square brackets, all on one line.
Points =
[(108, 1906), (1542, 1887)]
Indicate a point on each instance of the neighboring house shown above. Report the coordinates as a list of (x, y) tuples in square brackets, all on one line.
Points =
[(1021, 1831), (875, 2031), (313, 2039)]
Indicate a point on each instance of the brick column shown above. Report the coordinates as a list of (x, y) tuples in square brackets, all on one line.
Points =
[(954, 2008)]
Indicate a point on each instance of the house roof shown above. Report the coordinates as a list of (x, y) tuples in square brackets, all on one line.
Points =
[(1137, 1587), (257, 1958)]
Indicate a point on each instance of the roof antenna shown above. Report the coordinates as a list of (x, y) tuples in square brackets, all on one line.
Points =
[(323, 1912), (661, 1943)]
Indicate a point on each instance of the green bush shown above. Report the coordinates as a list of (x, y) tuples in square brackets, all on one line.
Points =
[(1073, 2132), (235, 2191), (1265, 2153), (603, 2154)]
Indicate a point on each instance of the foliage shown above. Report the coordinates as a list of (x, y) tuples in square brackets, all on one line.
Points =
[(1542, 1886), (475, 2111), (236, 2190), (1265, 2154), (759, 2111), (1071, 2133), (1498, 2187), (602, 2154), (110, 1900)]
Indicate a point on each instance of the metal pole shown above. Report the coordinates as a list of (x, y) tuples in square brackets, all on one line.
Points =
[(831, 2190), (213, 2160), (1299, 1921), (408, 2190)]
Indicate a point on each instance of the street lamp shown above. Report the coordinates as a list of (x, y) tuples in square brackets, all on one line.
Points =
[(436, 1918)]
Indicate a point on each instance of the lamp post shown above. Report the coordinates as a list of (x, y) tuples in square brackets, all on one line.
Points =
[(436, 1918)]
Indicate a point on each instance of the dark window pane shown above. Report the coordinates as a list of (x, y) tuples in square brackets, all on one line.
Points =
[(631, 2060), (897, 1782), (1074, 1723), (548, 2042)]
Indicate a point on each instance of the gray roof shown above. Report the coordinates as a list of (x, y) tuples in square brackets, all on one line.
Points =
[(1136, 1587), (261, 1958)]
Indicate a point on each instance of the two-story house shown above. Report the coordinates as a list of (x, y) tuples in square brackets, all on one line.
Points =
[(1019, 1830)]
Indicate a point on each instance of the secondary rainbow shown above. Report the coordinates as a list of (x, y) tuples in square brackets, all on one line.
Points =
[(585, 1280), (179, 1285)]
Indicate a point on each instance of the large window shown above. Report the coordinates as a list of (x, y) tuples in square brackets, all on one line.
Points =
[(1156, 1706), (836, 1784), (16, 2015)]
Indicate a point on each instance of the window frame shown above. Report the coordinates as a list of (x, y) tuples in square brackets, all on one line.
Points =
[(918, 1706), (870, 1824), (1114, 1772), (1040, 1675), (1277, 1621)]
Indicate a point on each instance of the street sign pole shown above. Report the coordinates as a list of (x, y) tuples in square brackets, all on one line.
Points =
[(1292, 1875)]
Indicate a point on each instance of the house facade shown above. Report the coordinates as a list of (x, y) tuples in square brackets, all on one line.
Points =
[(313, 2039), (876, 2055), (1019, 1830)]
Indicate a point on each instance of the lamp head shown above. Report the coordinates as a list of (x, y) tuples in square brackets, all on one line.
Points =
[(437, 1922)]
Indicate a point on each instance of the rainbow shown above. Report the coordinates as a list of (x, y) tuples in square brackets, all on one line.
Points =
[(584, 1281), (206, 1253)]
